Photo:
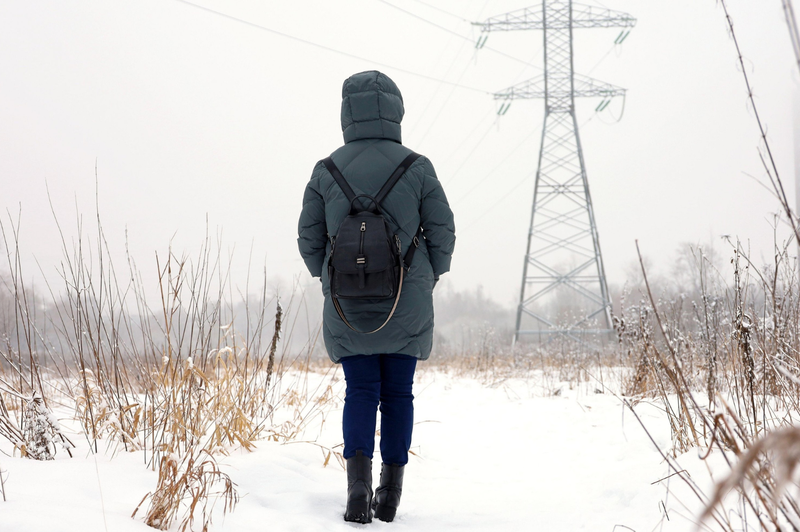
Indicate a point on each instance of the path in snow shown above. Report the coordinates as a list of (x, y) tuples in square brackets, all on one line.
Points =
[(487, 458)]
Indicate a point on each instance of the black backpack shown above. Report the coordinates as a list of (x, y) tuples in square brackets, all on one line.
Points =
[(366, 259)]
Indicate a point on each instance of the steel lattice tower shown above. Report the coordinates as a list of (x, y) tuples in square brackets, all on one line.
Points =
[(563, 262)]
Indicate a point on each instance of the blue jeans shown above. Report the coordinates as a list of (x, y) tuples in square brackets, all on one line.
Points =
[(383, 380)]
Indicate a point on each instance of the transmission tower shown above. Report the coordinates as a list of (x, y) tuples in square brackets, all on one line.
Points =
[(563, 264)]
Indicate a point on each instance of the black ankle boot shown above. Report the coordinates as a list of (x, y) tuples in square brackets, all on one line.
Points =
[(359, 489), (387, 496)]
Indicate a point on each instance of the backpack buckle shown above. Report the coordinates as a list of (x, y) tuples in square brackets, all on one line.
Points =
[(415, 240)]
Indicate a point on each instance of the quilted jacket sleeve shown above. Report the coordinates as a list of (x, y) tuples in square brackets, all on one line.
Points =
[(311, 229), (437, 222)]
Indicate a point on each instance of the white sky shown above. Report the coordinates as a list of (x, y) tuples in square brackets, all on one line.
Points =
[(192, 115)]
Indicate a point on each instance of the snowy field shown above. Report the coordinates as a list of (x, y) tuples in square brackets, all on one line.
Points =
[(520, 454)]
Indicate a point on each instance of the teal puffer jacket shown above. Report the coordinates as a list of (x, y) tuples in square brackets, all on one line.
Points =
[(372, 108)]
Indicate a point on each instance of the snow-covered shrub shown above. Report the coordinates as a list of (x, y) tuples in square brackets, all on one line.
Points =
[(37, 434), (38, 429)]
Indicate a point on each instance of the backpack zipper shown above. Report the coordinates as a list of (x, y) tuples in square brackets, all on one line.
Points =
[(361, 260), (363, 230)]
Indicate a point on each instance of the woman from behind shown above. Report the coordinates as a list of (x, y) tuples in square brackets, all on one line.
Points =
[(378, 341)]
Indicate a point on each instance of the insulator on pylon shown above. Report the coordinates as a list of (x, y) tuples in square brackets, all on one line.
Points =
[(503, 108), (622, 36), (481, 41)]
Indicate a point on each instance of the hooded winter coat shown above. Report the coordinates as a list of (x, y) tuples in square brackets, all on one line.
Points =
[(372, 108)]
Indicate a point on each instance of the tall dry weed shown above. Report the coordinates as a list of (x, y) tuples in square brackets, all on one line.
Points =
[(734, 355), (181, 382), (194, 484)]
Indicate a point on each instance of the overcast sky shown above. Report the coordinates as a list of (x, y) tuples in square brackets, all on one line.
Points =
[(192, 115)]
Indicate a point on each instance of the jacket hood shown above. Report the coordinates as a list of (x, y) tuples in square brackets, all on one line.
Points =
[(372, 107)]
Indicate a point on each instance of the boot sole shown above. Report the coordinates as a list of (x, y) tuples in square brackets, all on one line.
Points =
[(385, 514), (358, 512)]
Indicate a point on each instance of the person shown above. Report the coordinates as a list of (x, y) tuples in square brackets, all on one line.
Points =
[(379, 368)]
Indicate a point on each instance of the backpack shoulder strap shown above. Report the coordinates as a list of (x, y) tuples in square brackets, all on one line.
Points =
[(396, 175), (340, 180), (387, 187)]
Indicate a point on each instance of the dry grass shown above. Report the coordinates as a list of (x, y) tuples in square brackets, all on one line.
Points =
[(741, 350), (768, 465), (181, 382), (193, 482), (197, 376), (717, 350), (731, 346), (2, 485)]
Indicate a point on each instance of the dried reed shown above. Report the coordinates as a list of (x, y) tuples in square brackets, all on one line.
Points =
[(194, 482)]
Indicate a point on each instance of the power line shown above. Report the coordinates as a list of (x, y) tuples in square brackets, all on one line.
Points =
[(423, 19), (605, 56), (493, 170), (449, 96), (489, 112), (426, 21), (439, 9), (615, 46), (471, 152), (438, 88), (323, 47), (460, 77), (443, 105), (498, 202), (519, 184), (601, 4), (514, 188)]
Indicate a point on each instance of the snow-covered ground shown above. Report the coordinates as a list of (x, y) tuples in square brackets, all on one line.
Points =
[(512, 455)]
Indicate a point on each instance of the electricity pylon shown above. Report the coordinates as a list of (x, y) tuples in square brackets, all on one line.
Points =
[(563, 263)]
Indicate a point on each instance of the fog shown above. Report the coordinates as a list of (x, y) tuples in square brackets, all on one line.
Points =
[(178, 124)]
